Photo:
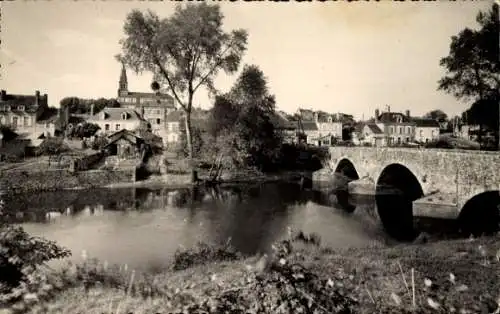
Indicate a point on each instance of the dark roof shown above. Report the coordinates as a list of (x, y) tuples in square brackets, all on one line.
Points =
[(280, 121), (374, 128), (124, 134), (391, 117), (29, 101), (309, 126), (150, 95), (426, 123), (115, 114)]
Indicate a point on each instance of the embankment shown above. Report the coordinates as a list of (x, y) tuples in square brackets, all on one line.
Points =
[(30, 181)]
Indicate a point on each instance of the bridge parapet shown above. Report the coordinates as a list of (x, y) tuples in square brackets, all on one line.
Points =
[(460, 173)]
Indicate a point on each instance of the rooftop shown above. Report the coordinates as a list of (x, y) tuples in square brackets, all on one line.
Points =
[(116, 114)]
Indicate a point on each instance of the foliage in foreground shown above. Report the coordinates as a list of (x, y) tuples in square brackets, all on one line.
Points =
[(288, 281), (21, 258)]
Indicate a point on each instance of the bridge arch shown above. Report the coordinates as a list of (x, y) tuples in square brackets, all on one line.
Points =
[(345, 172), (396, 189), (480, 214)]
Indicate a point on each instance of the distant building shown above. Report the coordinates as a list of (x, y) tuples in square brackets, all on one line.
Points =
[(321, 128), (426, 130), (154, 107), (371, 134), (397, 127), (30, 115), (111, 120)]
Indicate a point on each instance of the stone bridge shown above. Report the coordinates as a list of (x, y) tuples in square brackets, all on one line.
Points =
[(437, 183)]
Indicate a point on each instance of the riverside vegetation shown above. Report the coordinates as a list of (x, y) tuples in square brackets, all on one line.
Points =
[(298, 276)]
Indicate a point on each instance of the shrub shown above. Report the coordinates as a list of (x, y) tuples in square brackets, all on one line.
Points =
[(21, 256)]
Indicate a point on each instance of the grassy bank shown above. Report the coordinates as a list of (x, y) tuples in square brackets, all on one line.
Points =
[(298, 277)]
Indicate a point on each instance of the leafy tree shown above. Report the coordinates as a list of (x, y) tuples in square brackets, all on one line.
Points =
[(247, 110), (52, 146), (184, 51), (473, 66), (84, 130), (438, 115)]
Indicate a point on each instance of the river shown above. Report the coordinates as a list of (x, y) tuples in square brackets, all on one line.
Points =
[(144, 227)]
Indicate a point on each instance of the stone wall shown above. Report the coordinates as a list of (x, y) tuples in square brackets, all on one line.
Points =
[(14, 182), (463, 174), (86, 162)]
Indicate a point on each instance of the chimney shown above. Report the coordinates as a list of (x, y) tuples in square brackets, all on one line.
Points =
[(66, 115), (408, 113), (3, 95), (315, 117), (377, 114), (37, 97), (92, 110), (388, 108)]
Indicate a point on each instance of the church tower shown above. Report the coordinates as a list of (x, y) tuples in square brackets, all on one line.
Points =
[(123, 84)]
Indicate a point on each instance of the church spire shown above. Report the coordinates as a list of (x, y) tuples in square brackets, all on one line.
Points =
[(123, 84)]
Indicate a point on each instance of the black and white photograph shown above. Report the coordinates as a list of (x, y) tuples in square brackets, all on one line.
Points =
[(301, 156)]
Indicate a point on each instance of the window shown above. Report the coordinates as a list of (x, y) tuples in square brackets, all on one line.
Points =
[(106, 127), (124, 116), (391, 130), (158, 121), (400, 130), (407, 140), (14, 121), (409, 130), (158, 111), (20, 108), (399, 140), (27, 121), (117, 127)]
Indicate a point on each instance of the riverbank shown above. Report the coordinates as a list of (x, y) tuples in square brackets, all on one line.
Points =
[(459, 276)]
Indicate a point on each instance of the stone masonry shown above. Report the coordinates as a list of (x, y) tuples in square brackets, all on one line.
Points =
[(455, 175)]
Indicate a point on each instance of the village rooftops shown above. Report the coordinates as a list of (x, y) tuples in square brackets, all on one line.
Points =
[(116, 114), (374, 128), (425, 123), (393, 117), (22, 103)]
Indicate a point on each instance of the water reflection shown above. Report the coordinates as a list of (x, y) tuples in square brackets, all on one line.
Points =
[(145, 226)]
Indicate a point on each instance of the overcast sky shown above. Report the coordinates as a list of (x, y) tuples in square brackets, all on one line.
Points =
[(337, 56)]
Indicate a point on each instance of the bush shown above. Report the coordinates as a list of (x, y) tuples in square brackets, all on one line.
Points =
[(52, 146), (21, 256)]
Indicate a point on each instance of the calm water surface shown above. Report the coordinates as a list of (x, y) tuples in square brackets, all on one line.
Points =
[(144, 227)]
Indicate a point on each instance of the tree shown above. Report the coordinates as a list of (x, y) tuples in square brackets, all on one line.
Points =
[(247, 111), (437, 115), (184, 52), (473, 66)]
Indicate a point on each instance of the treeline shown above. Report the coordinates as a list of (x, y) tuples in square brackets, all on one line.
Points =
[(241, 131), (82, 106)]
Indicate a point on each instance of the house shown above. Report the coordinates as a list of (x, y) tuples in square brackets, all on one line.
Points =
[(330, 129), (124, 144), (426, 130), (30, 115), (175, 125), (370, 134), (154, 107), (326, 130), (111, 120), (398, 128)]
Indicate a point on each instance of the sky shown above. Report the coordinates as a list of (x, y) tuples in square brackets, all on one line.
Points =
[(332, 56)]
